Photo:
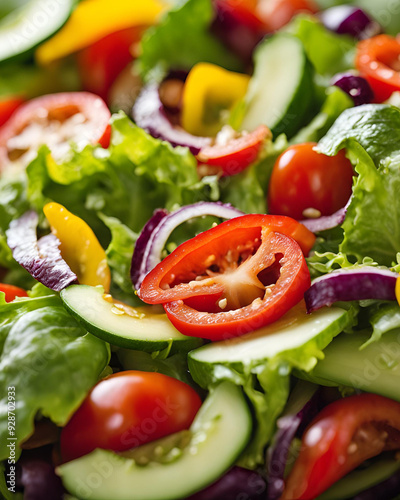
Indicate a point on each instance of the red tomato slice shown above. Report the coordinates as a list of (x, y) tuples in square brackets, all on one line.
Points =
[(128, 409), (342, 436), (377, 59), (101, 63), (12, 292), (54, 120), (303, 179), (238, 153), (7, 108), (237, 277)]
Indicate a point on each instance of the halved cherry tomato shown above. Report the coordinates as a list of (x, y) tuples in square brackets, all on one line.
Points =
[(54, 120), (238, 153), (101, 63), (128, 409), (303, 179), (233, 278), (377, 59), (342, 436), (7, 107), (12, 292)]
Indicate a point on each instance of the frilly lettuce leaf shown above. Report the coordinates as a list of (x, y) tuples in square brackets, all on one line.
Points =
[(50, 361), (119, 256), (371, 136), (128, 181), (329, 53), (183, 39)]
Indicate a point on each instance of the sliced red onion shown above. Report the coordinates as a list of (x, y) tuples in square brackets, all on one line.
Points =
[(148, 113), (142, 241), (351, 284), (301, 409), (236, 483), (349, 20), (325, 222), (40, 481), (145, 259), (355, 86), (42, 259)]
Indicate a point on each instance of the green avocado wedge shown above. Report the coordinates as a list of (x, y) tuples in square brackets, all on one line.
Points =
[(144, 328), (30, 23), (219, 433)]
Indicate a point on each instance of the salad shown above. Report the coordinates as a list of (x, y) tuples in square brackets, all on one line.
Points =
[(199, 250)]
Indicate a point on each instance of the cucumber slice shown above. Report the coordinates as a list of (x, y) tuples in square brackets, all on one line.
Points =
[(280, 93), (219, 433), (144, 328), (25, 27), (295, 336), (373, 369)]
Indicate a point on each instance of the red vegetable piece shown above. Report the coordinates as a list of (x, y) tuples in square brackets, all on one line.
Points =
[(342, 436), (238, 153), (128, 409), (234, 278)]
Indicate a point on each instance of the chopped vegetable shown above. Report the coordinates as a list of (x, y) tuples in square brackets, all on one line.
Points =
[(79, 246)]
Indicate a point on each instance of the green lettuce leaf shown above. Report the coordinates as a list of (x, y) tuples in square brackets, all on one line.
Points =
[(371, 135), (119, 255), (50, 361), (128, 181), (329, 53), (183, 39), (383, 319), (13, 203), (335, 103), (247, 191)]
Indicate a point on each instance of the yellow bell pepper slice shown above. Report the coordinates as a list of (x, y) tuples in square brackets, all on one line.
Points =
[(92, 20), (208, 91), (397, 290), (79, 246)]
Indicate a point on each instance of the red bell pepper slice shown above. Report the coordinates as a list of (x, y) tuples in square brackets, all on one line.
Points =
[(234, 278), (377, 59)]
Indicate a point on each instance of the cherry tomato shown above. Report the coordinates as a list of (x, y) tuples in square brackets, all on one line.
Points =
[(304, 179), (342, 436), (234, 278), (128, 409), (377, 59), (54, 120), (12, 292), (101, 63), (238, 153), (7, 108)]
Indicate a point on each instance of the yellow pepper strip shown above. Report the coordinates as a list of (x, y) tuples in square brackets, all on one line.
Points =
[(397, 290), (79, 246), (208, 91), (92, 20)]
